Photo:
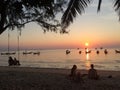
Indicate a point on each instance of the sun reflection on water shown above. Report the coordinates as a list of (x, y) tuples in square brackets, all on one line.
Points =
[(87, 63), (87, 56)]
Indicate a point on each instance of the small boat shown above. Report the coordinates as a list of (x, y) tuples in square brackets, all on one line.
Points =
[(97, 52), (88, 51), (25, 53), (101, 47), (11, 53), (105, 51), (67, 51), (80, 52), (95, 48), (117, 51), (36, 53)]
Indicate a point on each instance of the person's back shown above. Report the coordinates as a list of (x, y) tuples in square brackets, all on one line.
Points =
[(92, 73), (15, 61), (10, 61)]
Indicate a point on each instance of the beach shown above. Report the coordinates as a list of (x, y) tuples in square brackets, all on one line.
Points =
[(29, 78)]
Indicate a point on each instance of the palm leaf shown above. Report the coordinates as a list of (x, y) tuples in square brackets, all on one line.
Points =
[(99, 5), (117, 7), (74, 7)]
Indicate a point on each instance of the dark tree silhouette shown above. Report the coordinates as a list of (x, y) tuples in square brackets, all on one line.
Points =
[(74, 7), (17, 13), (78, 7)]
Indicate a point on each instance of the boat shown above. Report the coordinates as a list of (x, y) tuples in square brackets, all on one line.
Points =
[(101, 47), (105, 51), (36, 53), (25, 53), (117, 51), (8, 53), (88, 51), (97, 52), (67, 51), (80, 52)]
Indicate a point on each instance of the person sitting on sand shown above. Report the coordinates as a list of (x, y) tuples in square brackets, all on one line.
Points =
[(75, 75), (16, 62), (73, 72), (10, 61), (92, 73)]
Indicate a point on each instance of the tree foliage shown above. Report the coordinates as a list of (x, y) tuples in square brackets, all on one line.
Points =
[(74, 7), (78, 6), (17, 13)]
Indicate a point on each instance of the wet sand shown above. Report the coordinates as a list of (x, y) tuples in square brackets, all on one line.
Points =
[(27, 78)]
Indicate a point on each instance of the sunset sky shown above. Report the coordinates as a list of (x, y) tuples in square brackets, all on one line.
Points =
[(96, 29)]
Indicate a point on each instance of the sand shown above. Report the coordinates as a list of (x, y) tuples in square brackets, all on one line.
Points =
[(27, 78)]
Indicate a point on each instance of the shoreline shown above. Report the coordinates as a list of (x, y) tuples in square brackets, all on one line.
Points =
[(53, 70), (30, 78)]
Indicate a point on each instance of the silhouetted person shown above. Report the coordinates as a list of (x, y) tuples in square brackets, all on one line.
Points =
[(92, 73), (73, 72), (16, 62), (10, 61)]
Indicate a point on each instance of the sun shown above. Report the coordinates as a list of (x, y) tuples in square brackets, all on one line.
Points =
[(86, 44)]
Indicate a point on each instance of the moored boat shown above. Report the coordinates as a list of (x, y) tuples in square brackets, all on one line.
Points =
[(36, 53), (117, 51), (6, 53)]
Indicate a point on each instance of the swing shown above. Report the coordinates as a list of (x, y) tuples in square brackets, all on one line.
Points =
[(12, 61)]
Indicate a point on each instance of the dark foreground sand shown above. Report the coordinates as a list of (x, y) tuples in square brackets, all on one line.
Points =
[(23, 78)]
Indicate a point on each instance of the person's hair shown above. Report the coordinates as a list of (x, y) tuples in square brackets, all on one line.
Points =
[(74, 66), (92, 65)]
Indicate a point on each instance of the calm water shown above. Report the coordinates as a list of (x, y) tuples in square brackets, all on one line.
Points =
[(59, 59)]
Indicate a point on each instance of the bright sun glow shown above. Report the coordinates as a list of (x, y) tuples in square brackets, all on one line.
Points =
[(86, 44)]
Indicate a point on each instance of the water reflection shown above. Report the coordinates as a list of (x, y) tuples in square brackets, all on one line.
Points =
[(87, 56), (87, 63)]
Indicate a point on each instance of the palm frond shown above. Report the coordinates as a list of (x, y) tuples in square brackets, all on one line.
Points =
[(74, 7), (117, 7), (99, 5)]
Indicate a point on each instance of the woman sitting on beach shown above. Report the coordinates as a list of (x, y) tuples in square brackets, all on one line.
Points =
[(92, 73), (73, 72), (16, 62), (76, 76)]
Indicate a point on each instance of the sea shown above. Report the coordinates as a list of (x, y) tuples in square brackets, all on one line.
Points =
[(57, 58)]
